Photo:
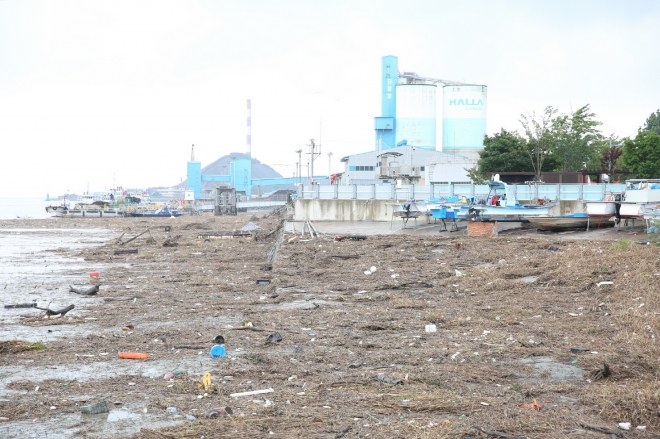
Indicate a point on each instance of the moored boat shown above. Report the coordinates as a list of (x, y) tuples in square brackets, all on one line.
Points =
[(91, 211), (165, 212), (501, 205), (560, 222), (641, 195)]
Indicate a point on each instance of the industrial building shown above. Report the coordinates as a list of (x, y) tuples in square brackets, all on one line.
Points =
[(408, 112), (405, 133), (405, 163), (407, 126)]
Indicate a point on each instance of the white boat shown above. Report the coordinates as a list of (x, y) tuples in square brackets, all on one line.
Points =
[(560, 222), (91, 211), (501, 205), (641, 195), (57, 211), (605, 208)]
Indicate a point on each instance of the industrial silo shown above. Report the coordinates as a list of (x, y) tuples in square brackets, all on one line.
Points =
[(415, 115), (464, 119)]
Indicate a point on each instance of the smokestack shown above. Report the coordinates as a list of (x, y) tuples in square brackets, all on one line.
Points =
[(249, 127)]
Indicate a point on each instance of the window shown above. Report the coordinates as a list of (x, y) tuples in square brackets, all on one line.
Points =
[(421, 168), (351, 168)]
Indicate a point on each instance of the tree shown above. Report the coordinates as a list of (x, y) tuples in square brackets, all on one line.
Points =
[(642, 155), (504, 152), (540, 139), (653, 122), (575, 136), (608, 158)]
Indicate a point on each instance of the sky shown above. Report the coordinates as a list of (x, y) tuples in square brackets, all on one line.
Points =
[(101, 93)]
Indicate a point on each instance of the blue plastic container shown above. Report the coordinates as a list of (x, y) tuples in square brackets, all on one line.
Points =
[(218, 351)]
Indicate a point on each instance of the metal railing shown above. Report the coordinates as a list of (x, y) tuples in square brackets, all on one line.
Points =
[(558, 192)]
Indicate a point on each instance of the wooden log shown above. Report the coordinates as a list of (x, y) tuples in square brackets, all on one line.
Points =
[(118, 240), (92, 291), (120, 299), (248, 328), (50, 312), (126, 252)]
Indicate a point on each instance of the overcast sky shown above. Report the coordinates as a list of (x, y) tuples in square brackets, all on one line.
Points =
[(96, 92)]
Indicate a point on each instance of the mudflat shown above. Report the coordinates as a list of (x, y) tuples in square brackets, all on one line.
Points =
[(512, 324)]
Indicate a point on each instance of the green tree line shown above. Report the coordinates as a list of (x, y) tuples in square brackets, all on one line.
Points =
[(569, 143)]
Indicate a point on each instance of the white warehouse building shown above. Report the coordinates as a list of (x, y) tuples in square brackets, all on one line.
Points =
[(417, 165)]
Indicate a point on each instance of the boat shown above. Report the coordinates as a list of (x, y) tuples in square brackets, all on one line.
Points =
[(58, 211), (91, 211), (606, 208), (501, 205), (165, 212), (561, 222), (641, 195)]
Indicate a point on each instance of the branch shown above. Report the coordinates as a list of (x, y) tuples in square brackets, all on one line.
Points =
[(50, 312)]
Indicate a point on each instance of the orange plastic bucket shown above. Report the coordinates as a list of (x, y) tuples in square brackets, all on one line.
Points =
[(133, 355)]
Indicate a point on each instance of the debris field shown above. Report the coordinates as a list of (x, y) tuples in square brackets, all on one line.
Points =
[(392, 336)]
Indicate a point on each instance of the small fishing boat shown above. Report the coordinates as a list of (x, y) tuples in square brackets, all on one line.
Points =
[(641, 195), (501, 205), (561, 222), (165, 212), (57, 211), (91, 211), (606, 208)]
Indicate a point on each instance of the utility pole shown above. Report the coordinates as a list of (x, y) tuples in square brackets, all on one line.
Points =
[(329, 164), (299, 165), (313, 155)]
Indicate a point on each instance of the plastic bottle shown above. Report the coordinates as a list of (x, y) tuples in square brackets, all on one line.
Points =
[(94, 409)]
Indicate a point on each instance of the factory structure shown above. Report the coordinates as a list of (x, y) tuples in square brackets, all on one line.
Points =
[(405, 148), (406, 135)]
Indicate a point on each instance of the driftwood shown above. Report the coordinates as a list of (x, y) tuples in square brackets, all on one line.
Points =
[(135, 237), (118, 299), (118, 240), (126, 252), (614, 433), (497, 433), (92, 291), (189, 347), (248, 328), (172, 242), (350, 237), (50, 312)]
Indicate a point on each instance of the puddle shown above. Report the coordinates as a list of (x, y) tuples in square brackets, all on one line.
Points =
[(104, 369), (528, 279), (552, 371), (40, 333), (121, 415), (31, 270), (117, 423)]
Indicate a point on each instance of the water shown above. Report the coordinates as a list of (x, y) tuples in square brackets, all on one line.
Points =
[(12, 208)]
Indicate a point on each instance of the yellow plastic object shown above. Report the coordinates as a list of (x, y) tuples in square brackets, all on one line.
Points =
[(205, 382)]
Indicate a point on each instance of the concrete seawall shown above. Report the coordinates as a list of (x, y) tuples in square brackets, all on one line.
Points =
[(379, 210)]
